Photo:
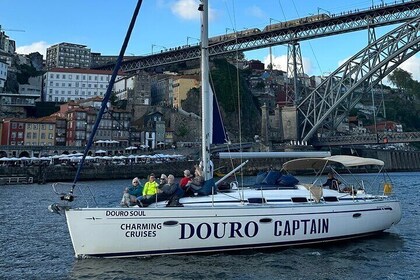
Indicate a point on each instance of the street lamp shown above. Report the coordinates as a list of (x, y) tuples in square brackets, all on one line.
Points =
[(321, 9), (163, 47), (227, 29), (192, 38), (273, 19)]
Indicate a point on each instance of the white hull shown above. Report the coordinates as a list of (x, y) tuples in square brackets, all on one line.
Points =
[(128, 232)]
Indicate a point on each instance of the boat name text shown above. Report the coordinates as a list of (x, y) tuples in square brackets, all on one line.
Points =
[(125, 213), (251, 229)]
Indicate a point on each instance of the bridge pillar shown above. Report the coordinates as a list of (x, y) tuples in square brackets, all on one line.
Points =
[(264, 123), (289, 122)]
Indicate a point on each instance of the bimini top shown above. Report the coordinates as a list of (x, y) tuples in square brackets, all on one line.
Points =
[(320, 163)]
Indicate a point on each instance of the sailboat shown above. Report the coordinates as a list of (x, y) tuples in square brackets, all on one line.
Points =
[(270, 214)]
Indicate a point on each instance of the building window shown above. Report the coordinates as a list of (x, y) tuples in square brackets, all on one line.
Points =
[(70, 76), (29, 125), (14, 125), (28, 135)]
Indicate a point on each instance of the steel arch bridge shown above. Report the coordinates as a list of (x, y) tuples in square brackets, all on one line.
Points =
[(327, 105)]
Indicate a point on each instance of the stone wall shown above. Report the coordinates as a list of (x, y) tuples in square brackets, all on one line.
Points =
[(394, 161)]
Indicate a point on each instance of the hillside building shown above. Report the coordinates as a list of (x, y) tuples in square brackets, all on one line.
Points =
[(68, 55), (65, 84)]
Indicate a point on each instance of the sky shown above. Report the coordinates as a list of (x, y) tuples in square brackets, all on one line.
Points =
[(101, 26)]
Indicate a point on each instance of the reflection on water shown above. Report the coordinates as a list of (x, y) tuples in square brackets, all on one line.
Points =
[(326, 262)]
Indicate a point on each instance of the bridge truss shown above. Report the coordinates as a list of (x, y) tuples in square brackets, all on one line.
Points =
[(336, 24), (329, 103)]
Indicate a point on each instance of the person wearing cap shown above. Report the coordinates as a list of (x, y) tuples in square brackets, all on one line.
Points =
[(150, 188), (184, 181)]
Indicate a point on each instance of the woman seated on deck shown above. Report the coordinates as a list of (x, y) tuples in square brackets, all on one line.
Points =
[(130, 194)]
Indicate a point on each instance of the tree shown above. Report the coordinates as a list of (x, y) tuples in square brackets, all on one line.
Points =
[(400, 78)]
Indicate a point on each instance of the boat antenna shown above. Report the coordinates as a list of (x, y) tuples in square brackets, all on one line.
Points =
[(69, 196)]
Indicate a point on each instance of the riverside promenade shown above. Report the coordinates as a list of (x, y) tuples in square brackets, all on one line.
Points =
[(394, 161)]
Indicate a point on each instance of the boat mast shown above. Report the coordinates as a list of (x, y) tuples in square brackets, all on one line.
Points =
[(207, 100)]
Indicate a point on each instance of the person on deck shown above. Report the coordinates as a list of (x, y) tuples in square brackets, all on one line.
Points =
[(196, 183), (184, 181), (164, 192), (163, 180), (150, 188), (130, 194), (332, 183)]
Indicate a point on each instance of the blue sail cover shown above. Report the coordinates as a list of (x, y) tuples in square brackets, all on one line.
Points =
[(219, 132)]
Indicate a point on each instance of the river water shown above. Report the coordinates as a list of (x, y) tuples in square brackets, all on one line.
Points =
[(35, 244)]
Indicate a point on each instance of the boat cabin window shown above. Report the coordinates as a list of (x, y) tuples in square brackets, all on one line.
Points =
[(299, 199), (259, 200), (330, 198)]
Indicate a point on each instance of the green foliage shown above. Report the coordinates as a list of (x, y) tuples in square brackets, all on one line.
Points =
[(182, 131), (25, 72), (404, 106), (226, 85), (193, 101), (400, 78)]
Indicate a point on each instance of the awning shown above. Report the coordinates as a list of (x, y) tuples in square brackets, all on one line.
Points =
[(320, 163), (131, 148)]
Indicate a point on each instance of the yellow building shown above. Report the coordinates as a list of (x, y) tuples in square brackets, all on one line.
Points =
[(181, 85), (39, 132)]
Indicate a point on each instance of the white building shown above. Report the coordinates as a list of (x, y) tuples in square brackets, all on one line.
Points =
[(65, 84), (3, 73)]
